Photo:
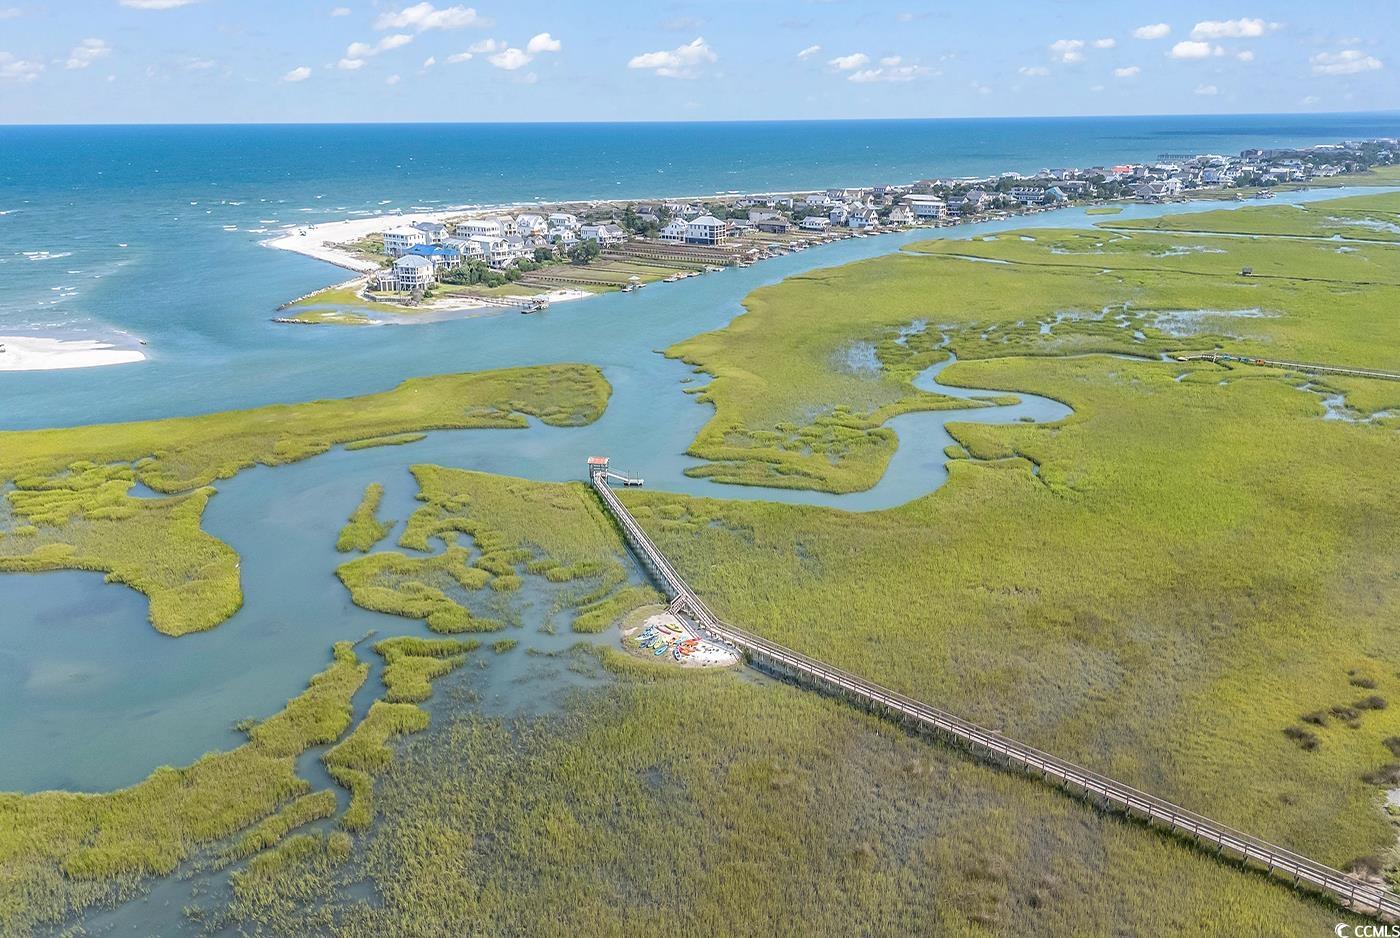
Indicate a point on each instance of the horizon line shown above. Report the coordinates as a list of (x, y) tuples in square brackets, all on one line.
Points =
[(749, 120)]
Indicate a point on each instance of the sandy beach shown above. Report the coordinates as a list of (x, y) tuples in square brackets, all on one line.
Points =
[(319, 240), (31, 353)]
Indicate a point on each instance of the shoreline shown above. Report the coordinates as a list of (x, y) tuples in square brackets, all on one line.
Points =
[(39, 353)]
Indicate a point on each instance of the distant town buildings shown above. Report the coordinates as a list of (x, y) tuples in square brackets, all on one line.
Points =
[(735, 226)]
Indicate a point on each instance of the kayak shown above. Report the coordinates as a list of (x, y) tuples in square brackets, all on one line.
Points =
[(661, 650)]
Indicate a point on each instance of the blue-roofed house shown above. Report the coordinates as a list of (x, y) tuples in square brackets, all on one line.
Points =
[(441, 255)]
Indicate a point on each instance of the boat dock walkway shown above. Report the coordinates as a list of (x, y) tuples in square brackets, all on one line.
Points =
[(1308, 367), (1349, 891)]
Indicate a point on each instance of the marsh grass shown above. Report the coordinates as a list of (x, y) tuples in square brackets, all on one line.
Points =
[(517, 529), (803, 419), (364, 529), (71, 496), (62, 852)]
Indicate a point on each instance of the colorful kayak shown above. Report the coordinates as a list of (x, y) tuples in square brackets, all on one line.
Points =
[(661, 650)]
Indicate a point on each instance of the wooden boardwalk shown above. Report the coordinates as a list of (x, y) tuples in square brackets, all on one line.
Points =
[(1106, 793), (1307, 367)]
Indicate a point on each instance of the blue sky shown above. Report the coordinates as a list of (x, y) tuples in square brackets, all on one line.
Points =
[(345, 60)]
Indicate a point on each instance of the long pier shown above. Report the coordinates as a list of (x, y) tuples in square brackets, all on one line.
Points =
[(1307, 367), (1347, 890)]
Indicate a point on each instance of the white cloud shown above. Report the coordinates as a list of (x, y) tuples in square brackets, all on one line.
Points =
[(1152, 31), (1105, 43), (1346, 62), (808, 52), (1096, 88), (1190, 49), (1033, 71), (1231, 29), (459, 57), (392, 80), (1207, 90), (510, 59), (483, 46), (193, 64), (357, 52), (1067, 50), (543, 42), (13, 69), (1309, 100), (156, 4), (424, 16), (1245, 56), (891, 73), (341, 11), (680, 62), (300, 73), (430, 61), (9, 13), (850, 62), (1127, 71), (87, 52)]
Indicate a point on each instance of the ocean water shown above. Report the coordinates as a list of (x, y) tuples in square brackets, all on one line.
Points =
[(129, 233)]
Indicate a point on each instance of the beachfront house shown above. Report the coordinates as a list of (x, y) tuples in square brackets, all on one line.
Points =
[(563, 220), (707, 229), (434, 231), (674, 232), (440, 254), (774, 225), (499, 251), (815, 223), (397, 241), (530, 226), (467, 249), (480, 227), (412, 272)]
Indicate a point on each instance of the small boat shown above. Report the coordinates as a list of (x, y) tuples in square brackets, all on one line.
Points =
[(660, 651), (667, 629)]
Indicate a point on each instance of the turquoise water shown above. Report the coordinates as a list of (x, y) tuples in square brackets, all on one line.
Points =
[(95, 698)]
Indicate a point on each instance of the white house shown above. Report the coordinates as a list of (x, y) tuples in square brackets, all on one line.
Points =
[(397, 241), (563, 220), (434, 231), (926, 208), (469, 248), (707, 229), (412, 272), (562, 238), (863, 218), (1158, 189), (604, 234), (901, 215), (1028, 195), (815, 223), (674, 232), (530, 225), (485, 227)]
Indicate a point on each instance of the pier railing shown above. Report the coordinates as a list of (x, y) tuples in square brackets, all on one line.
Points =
[(1349, 890)]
